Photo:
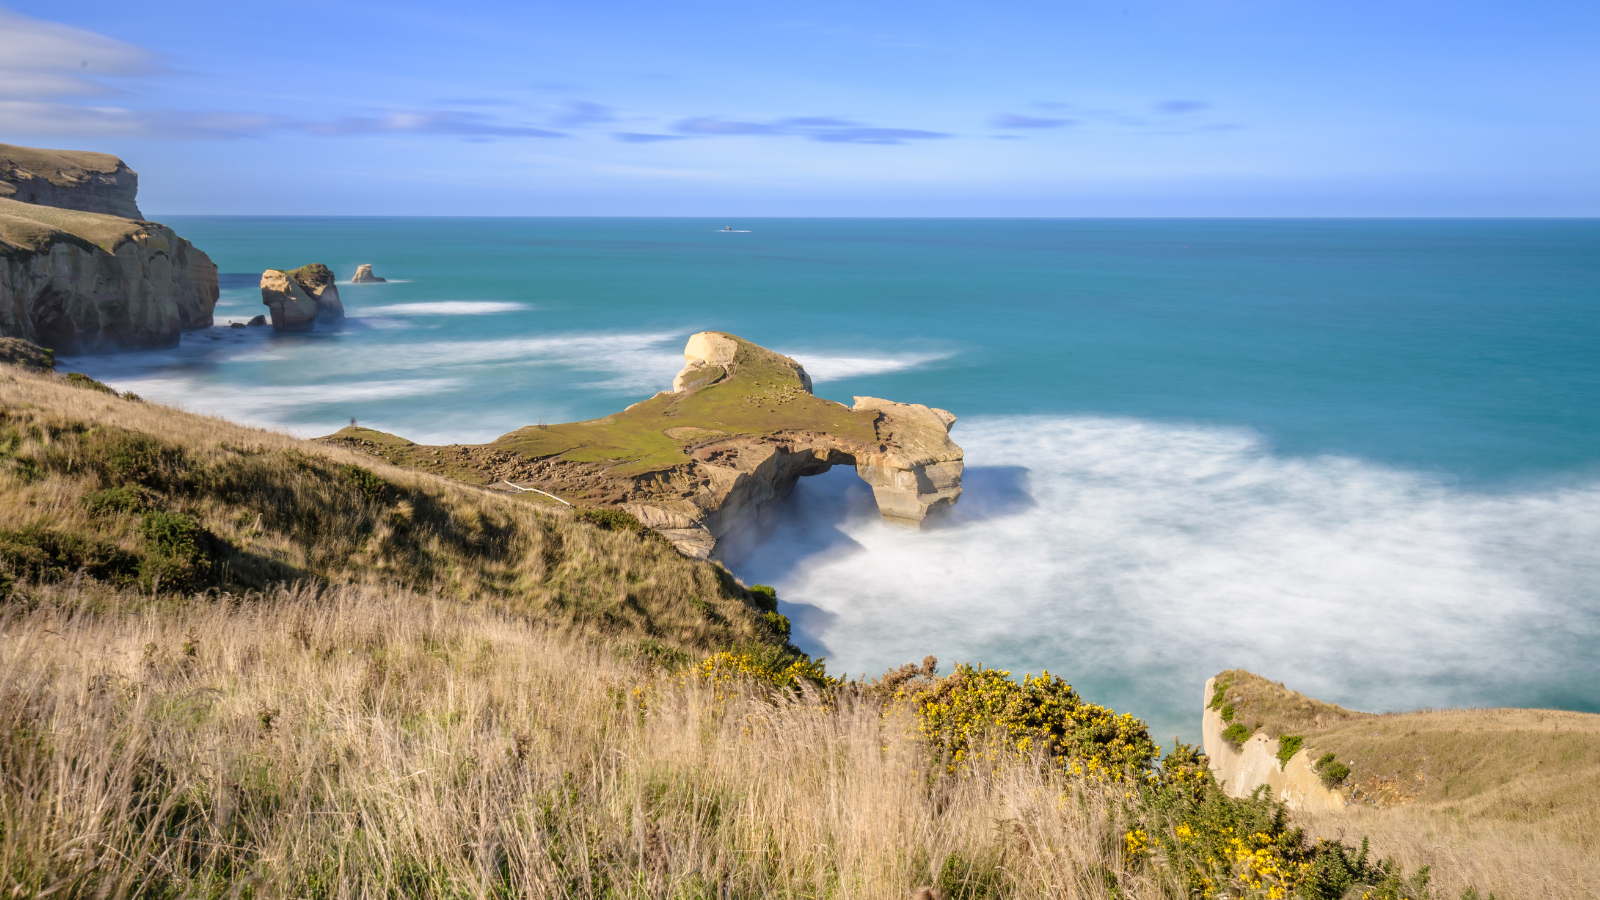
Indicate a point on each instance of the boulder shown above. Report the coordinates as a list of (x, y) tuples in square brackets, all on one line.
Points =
[(257, 322), (301, 299), (364, 275)]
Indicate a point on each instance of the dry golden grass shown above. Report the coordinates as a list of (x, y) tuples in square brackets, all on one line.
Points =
[(358, 742), (285, 510)]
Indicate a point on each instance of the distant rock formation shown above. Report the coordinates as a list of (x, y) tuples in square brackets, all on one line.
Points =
[(703, 462), (69, 179), (257, 321), (301, 299), (364, 275)]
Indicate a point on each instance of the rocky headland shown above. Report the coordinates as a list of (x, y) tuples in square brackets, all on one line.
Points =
[(80, 270), (302, 299), (701, 463)]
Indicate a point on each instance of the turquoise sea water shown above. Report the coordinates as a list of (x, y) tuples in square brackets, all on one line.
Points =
[(1359, 457)]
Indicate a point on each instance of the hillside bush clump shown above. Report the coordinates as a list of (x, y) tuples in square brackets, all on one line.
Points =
[(1332, 771), (78, 379), (1236, 734), (610, 519), (957, 715)]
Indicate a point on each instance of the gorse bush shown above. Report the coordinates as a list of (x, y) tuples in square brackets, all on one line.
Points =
[(958, 714)]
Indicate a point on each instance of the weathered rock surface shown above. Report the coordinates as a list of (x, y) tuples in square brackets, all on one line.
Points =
[(301, 299), (1243, 769), (69, 179), (83, 282), (364, 275), (703, 463)]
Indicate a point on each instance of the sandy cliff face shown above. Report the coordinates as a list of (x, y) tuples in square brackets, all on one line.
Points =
[(69, 179), (85, 282), (1243, 769)]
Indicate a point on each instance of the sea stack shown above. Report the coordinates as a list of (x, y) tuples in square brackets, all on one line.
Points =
[(81, 271), (364, 275), (301, 299)]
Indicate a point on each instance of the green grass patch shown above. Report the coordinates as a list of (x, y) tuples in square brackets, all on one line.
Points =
[(1288, 746)]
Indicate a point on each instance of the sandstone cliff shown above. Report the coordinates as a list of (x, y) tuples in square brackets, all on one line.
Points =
[(69, 179), (702, 463), (86, 282), (1255, 762), (301, 299)]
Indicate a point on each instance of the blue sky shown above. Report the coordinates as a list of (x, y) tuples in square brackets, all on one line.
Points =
[(1211, 107)]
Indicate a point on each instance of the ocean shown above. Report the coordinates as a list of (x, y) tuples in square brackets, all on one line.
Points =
[(1360, 457)]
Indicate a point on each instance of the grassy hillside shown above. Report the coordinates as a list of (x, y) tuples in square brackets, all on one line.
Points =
[(145, 498)]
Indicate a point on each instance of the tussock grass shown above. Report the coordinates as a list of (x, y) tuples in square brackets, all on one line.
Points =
[(358, 742)]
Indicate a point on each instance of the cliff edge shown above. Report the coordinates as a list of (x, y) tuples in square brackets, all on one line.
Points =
[(78, 278), (1531, 766), (701, 463)]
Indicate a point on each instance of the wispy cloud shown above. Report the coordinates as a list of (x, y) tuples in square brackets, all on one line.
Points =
[(438, 121), (635, 137), (1014, 120), (827, 129), (578, 113), (70, 120), (1181, 106), (41, 59)]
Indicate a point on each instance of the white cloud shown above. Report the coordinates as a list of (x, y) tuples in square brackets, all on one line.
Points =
[(46, 59)]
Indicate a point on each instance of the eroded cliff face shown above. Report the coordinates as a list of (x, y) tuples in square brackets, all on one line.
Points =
[(69, 179), (1243, 769), (84, 282)]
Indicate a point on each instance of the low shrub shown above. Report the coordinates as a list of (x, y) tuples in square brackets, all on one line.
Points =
[(778, 623), (129, 498), (78, 379), (1288, 746), (610, 519), (1236, 734), (50, 555), (1227, 713), (765, 597), (366, 484), (1332, 771)]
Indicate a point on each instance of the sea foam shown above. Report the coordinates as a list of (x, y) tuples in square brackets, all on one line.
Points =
[(1136, 559)]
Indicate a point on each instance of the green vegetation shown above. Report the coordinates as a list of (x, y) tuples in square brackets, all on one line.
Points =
[(18, 352), (1236, 734), (78, 379), (1288, 746), (28, 228), (1332, 771)]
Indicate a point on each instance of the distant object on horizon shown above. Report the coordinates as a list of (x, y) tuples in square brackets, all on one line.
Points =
[(364, 275), (731, 230)]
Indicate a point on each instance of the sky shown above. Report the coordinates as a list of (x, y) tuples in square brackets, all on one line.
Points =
[(1064, 108)]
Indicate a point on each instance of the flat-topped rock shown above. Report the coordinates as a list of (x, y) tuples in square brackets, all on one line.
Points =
[(301, 299), (701, 463)]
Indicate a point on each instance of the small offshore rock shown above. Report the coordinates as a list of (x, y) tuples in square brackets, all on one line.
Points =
[(364, 275), (236, 325), (257, 322)]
